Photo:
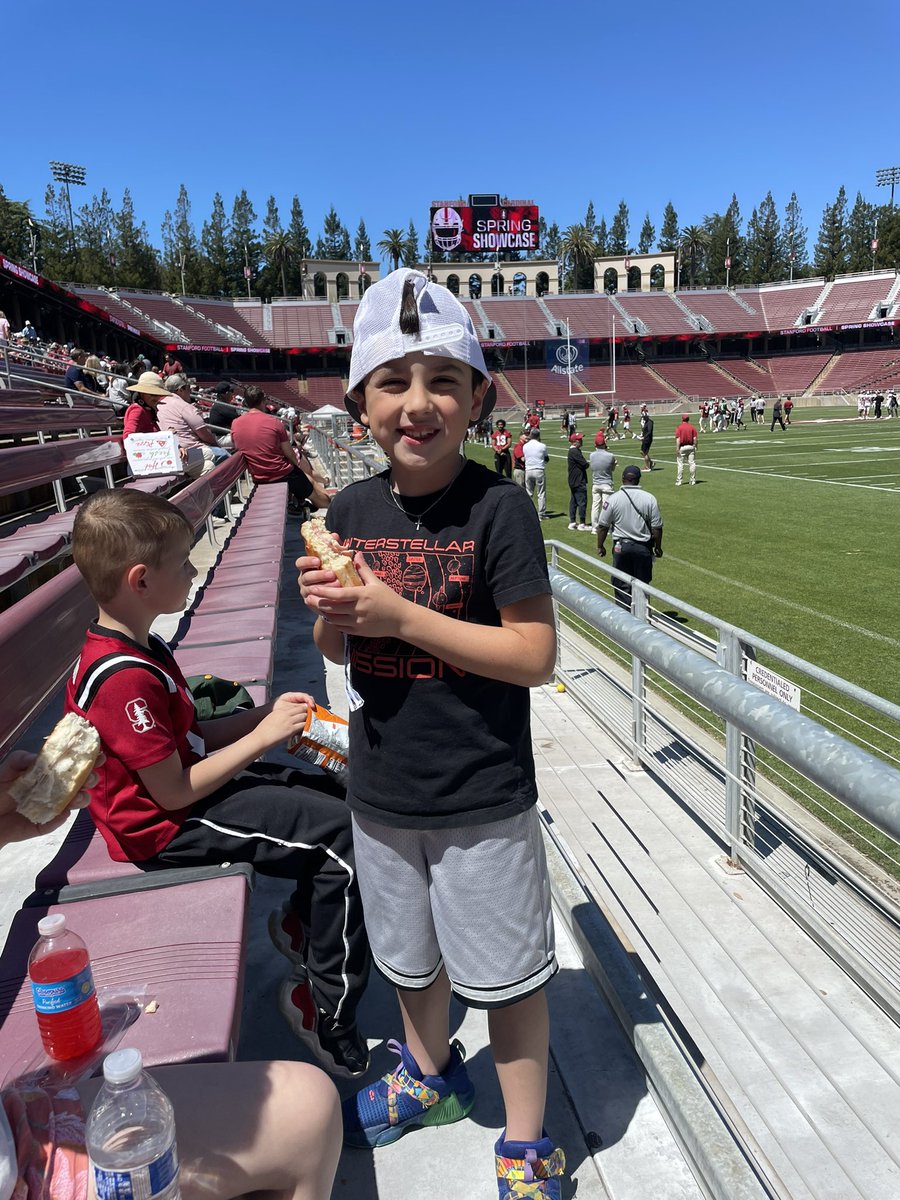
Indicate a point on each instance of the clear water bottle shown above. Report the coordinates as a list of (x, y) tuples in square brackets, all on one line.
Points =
[(62, 986), (131, 1134)]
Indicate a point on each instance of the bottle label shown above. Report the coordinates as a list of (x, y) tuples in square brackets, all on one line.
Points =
[(64, 993), (152, 1182)]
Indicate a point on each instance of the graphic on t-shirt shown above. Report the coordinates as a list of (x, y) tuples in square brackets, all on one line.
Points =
[(426, 574), (140, 715)]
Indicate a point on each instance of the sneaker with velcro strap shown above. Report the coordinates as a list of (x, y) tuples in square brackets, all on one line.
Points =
[(529, 1169), (340, 1048), (405, 1099)]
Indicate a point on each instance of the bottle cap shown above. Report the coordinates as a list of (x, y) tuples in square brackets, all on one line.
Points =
[(52, 926), (122, 1066)]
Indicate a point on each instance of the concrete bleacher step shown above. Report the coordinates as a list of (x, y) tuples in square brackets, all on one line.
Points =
[(626, 320), (675, 392), (807, 1064), (489, 322), (695, 318), (220, 330)]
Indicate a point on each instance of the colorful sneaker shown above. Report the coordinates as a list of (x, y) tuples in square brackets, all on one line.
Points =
[(529, 1169), (405, 1099), (342, 1049), (289, 937)]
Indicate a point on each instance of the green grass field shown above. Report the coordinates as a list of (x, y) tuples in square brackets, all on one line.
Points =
[(792, 536)]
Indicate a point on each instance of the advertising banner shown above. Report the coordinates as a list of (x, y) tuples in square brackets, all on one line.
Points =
[(485, 229), (566, 358)]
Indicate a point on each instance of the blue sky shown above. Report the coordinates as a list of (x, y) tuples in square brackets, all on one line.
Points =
[(380, 108)]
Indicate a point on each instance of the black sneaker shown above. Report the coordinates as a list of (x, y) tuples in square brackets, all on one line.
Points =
[(342, 1049)]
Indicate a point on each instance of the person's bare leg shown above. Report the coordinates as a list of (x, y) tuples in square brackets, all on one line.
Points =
[(250, 1127), (426, 1024), (520, 1044)]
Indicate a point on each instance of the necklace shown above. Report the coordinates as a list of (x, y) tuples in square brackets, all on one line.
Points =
[(417, 517)]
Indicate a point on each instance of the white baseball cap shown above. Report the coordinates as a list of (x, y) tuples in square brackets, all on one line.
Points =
[(445, 328)]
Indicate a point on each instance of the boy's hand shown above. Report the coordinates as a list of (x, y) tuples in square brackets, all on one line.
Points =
[(374, 610), (288, 716), (13, 826)]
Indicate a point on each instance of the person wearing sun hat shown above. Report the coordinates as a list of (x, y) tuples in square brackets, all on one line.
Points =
[(452, 623), (140, 415)]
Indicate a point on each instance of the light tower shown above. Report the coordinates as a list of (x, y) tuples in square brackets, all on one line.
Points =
[(68, 173)]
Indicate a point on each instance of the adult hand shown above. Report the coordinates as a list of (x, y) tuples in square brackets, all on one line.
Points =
[(657, 550), (601, 551), (13, 826)]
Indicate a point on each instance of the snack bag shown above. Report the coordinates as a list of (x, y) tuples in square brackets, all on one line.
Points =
[(324, 741)]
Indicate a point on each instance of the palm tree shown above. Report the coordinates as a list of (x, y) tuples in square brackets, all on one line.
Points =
[(693, 244), (279, 250), (580, 249), (393, 244)]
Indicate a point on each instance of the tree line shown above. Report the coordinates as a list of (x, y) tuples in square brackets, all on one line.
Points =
[(107, 245)]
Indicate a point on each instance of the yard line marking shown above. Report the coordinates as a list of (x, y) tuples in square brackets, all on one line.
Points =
[(705, 466), (770, 596)]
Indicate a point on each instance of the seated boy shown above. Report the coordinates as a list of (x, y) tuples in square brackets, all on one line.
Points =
[(163, 799)]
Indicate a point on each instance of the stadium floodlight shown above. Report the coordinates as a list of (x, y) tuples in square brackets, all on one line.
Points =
[(888, 175), (68, 173)]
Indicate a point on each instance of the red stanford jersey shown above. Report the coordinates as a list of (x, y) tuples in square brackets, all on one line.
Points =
[(137, 700), (501, 440)]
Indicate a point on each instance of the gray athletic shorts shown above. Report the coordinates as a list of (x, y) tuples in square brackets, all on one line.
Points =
[(474, 899)]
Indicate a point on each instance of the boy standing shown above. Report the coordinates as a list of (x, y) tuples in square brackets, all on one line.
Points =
[(161, 802), (452, 625)]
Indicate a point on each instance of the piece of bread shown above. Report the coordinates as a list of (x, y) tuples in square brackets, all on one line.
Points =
[(59, 772), (323, 545)]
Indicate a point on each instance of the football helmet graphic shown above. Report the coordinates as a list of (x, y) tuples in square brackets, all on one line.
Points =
[(447, 228)]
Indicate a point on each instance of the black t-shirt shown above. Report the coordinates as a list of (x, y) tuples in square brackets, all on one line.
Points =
[(432, 745), (577, 466)]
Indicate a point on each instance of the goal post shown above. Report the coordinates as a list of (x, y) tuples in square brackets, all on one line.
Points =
[(612, 363)]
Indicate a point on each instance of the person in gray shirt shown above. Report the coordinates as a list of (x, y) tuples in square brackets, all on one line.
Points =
[(637, 527), (602, 466)]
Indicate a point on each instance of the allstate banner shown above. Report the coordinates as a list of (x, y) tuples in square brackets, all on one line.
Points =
[(566, 357)]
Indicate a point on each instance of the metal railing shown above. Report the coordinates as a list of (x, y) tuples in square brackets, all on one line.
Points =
[(803, 792)]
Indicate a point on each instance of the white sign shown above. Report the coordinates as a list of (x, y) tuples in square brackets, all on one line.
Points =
[(153, 453), (767, 681)]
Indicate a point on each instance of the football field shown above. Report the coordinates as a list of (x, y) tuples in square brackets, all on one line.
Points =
[(792, 536)]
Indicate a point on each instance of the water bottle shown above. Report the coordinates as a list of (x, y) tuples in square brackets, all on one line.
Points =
[(62, 986), (130, 1134)]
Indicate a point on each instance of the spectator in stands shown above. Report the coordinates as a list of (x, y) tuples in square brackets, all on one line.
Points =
[(76, 380), (29, 333), (237, 1123), (162, 802), (536, 457), (224, 411), (441, 654), (171, 366), (117, 391), (4, 329), (685, 448), (777, 416), (271, 458), (177, 412), (602, 464), (501, 441), (140, 415), (637, 528), (93, 375)]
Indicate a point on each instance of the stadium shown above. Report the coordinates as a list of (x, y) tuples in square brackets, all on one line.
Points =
[(716, 747)]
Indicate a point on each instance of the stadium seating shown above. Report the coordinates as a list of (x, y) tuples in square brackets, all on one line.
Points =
[(860, 368), (243, 319), (658, 311), (794, 372), (850, 300), (301, 324), (783, 305), (588, 316), (111, 304), (749, 372), (635, 384), (694, 378), (723, 311), (324, 389), (520, 319)]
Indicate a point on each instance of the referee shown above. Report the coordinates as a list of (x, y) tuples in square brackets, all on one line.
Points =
[(637, 528)]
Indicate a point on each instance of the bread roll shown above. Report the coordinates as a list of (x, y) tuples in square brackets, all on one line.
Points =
[(59, 772), (322, 544)]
